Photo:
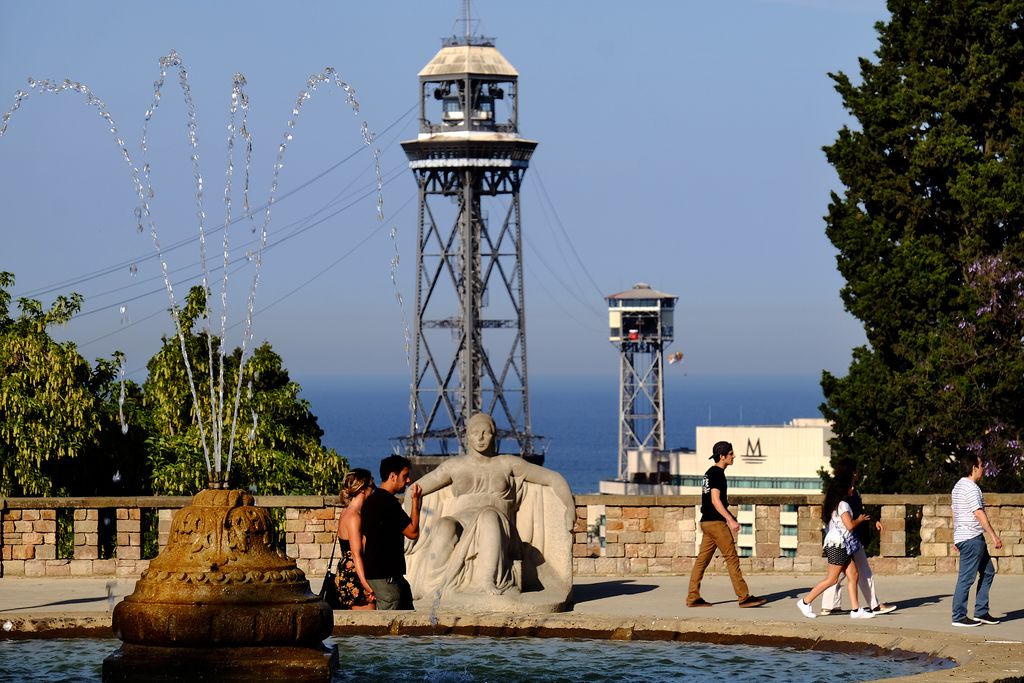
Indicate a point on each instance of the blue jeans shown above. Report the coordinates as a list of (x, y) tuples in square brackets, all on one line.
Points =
[(974, 561)]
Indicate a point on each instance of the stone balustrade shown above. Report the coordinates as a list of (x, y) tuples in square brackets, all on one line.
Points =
[(614, 535), (647, 535)]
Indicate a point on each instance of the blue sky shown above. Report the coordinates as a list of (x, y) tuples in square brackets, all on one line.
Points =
[(680, 145)]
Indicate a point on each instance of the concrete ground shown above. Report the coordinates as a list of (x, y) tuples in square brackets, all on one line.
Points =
[(636, 607)]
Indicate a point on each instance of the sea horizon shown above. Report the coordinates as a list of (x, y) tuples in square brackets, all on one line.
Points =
[(578, 415)]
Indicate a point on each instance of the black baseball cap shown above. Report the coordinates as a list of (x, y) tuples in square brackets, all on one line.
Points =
[(721, 448)]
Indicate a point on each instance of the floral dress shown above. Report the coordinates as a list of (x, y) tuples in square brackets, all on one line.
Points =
[(350, 588)]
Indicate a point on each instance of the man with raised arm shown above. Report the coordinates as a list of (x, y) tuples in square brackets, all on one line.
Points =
[(386, 526)]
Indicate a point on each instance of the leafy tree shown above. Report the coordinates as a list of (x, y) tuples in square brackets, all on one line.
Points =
[(114, 463), (61, 429), (277, 440), (46, 407), (929, 233)]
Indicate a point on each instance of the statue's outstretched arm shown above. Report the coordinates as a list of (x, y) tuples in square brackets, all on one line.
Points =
[(435, 480), (541, 475)]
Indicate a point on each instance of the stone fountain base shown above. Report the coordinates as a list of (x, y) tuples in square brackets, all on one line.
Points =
[(221, 602), (171, 664)]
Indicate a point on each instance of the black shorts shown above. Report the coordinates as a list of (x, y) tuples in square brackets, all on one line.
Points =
[(837, 555)]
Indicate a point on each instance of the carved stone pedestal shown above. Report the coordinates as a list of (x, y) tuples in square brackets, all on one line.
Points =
[(138, 663), (221, 603)]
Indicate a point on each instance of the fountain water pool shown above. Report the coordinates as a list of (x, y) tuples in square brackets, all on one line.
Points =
[(465, 658)]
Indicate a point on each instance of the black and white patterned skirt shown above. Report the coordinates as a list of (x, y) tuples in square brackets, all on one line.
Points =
[(836, 554)]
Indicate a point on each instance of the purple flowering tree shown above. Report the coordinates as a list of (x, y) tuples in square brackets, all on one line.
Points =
[(929, 233)]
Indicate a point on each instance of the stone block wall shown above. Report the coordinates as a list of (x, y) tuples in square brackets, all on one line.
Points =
[(892, 540), (647, 535), (29, 536), (767, 531), (808, 544), (1008, 521), (163, 526), (87, 537), (613, 535), (637, 540), (309, 538), (34, 554)]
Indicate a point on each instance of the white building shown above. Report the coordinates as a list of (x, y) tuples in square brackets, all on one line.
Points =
[(770, 460)]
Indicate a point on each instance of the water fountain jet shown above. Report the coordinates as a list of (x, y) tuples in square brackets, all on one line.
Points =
[(221, 600)]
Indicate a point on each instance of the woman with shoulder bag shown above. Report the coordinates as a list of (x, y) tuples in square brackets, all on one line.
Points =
[(840, 546), (354, 591)]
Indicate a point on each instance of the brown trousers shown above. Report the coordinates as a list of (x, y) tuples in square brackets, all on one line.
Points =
[(716, 535)]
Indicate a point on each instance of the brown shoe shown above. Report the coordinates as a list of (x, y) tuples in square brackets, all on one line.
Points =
[(699, 602), (752, 601)]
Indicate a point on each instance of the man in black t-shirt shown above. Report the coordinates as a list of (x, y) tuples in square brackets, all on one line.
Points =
[(386, 526), (717, 525)]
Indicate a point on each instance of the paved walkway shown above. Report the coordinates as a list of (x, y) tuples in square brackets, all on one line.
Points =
[(925, 602), (922, 622)]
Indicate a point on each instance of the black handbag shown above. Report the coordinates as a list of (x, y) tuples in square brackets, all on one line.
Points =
[(329, 589)]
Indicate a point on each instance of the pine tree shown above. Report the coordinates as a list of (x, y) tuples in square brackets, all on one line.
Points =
[(929, 233)]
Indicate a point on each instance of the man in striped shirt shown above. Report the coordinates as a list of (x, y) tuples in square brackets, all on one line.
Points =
[(970, 524)]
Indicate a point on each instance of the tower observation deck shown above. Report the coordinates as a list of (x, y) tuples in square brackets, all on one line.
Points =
[(641, 326), (469, 346)]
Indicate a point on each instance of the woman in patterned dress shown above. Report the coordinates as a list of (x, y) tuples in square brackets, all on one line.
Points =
[(353, 589)]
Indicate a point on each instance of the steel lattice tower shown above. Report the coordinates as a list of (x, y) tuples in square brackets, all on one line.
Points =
[(469, 346), (640, 324)]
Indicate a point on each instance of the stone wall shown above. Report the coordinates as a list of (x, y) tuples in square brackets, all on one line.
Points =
[(614, 535), (309, 537), (29, 535), (648, 535)]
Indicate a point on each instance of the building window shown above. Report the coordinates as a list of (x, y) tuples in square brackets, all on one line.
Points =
[(774, 483), (789, 552), (747, 507), (746, 552), (788, 530), (746, 529), (790, 507)]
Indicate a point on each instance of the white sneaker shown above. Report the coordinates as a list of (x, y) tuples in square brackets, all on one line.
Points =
[(861, 614), (805, 609)]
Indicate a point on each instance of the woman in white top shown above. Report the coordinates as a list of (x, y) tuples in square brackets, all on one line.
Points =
[(840, 545), (832, 599)]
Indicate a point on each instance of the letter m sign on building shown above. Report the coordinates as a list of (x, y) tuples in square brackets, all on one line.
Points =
[(754, 450)]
